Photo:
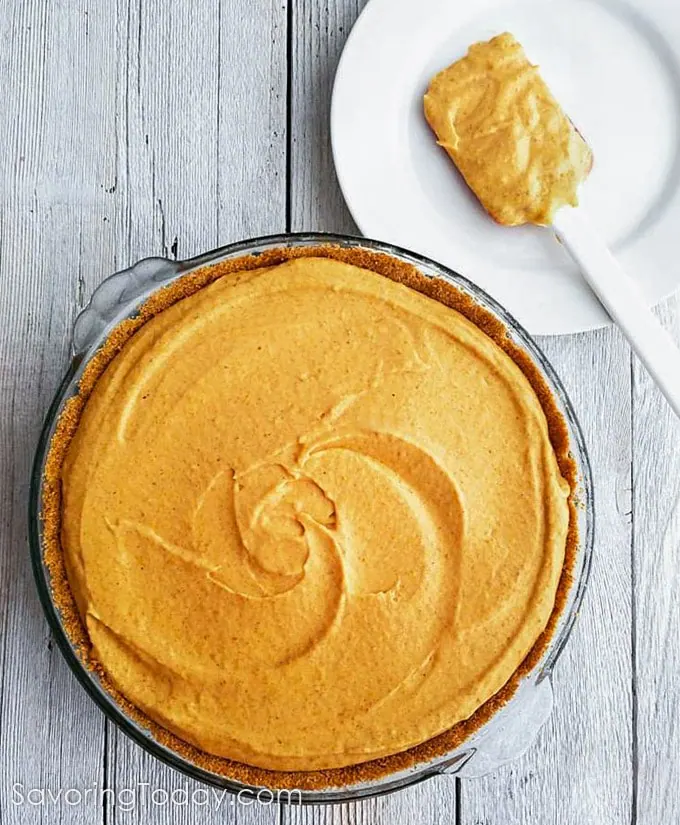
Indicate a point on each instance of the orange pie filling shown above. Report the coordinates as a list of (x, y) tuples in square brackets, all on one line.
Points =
[(312, 517)]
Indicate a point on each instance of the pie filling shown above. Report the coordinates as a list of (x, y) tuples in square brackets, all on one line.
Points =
[(312, 517)]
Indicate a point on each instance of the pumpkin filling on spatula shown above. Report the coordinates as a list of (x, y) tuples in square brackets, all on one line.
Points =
[(510, 139)]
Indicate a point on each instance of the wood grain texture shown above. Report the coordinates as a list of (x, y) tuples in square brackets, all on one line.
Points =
[(580, 769), (433, 802), (201, 131), (51, 734), (319, 31), (656, 544)]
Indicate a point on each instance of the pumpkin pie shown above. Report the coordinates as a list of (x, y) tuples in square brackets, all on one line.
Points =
[(310, 515)]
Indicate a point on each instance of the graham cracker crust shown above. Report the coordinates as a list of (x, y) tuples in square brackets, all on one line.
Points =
[(184, 286)]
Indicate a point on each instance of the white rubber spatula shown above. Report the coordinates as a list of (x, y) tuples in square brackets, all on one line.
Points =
[(622, 298), (521, 155)]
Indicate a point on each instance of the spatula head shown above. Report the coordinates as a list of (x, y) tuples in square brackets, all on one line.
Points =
[(507, 134)]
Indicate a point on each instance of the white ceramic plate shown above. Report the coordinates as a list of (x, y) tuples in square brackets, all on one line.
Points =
[(614, 66)]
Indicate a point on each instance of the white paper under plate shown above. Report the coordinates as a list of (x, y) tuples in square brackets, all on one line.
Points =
[(614, 66)]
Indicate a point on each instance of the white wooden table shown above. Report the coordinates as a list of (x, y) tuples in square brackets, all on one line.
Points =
[(168, 127)]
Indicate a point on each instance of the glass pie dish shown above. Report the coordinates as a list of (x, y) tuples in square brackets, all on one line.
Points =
[(512, 728)]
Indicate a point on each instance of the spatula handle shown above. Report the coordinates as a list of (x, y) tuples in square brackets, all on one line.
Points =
[(622, 298)]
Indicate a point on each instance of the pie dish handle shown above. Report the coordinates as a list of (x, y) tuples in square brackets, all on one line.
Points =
[(509, 734), (117, 297)]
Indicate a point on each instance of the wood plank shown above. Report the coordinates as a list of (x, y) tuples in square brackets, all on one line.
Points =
[(656, 542), (432, 802), (53, 196), (202, 139), (580, 769), (319, 33)]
